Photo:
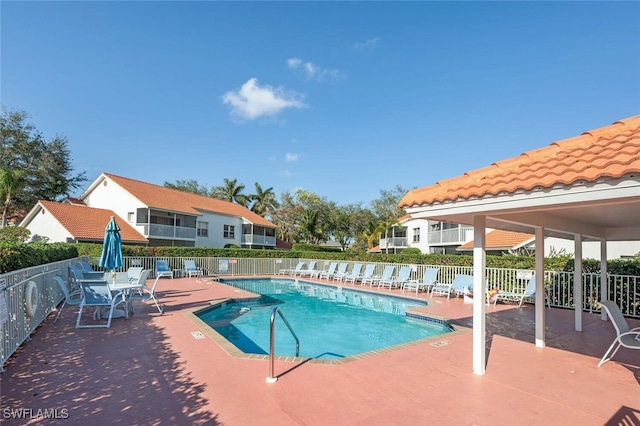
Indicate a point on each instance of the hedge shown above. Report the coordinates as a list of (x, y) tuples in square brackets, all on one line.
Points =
[(15, 256)]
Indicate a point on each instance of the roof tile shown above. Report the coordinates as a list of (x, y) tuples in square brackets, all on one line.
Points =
[(501, 239), (87, 223), (612, 151)]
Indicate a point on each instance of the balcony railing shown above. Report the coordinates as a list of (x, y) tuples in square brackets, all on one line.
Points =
[(394, 242), (167, 231), (459, 235), (261, 240)]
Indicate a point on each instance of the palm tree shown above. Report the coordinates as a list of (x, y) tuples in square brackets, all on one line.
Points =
[(231, 191), (10, 181), (264, 201)]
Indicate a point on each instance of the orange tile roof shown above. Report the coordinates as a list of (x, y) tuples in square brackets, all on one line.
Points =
[(501, 239), (612, 151), (161, 197), (87, 223)]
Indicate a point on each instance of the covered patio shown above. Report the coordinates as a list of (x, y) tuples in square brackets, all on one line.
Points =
[(583, 188)]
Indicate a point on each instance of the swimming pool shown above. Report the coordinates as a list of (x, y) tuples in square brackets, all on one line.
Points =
[(330, 322)]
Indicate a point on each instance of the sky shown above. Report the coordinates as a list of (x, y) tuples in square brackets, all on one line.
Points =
[(343, 99)]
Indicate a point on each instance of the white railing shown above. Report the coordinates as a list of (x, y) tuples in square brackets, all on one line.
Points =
[(168, 231), (263, 240), (394, 242), (18, 326), (459, 235)]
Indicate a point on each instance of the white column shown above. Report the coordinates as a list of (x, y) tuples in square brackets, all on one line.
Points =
[(479, 292), (540, 302), (577, 282), (604, 280)]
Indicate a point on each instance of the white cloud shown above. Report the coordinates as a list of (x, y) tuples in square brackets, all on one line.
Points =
[(290, 157), (285, 173), (368, 45), (253, 101), (311, 70)]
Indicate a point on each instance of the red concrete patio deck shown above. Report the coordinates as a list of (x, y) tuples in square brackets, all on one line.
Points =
[(150, 370)]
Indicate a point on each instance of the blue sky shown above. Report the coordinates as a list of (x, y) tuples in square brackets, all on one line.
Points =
[(343, 99)]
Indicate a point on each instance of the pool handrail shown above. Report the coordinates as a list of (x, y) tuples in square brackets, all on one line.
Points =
[(272, 378)]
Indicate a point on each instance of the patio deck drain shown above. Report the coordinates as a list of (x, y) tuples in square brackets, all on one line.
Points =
[(197, 335), (440, 343)]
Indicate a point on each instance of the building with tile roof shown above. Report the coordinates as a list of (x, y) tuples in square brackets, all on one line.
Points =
[(169, 217), (74, 223), (585, 188)]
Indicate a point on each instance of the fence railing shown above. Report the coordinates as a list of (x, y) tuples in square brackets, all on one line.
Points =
[(17, 322)]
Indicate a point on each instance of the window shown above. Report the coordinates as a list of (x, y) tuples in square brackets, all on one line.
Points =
[(416, 235), (203, 229), (229, 231), (130, 216)]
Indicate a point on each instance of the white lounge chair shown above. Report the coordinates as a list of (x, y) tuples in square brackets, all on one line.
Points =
[(328, 272), (428, 280), (387, 274), (461, 285), (342, 270), (398, 281), (518, 295), (629, 338), (367, 275), (289, 271), (191, 270), (162, 269), (354, 275), (311, 269)]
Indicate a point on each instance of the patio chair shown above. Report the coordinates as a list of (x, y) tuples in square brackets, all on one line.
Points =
[(99, 296), (289, 271), (428, 280), (133, 273), (341, 272), (354, 275), (328, 272), (85, 273), (191, 270), (146, 293), (461, 285), (311, 268), (367, 275), (387, 274), (162, 269), (399, 280), (518, 295), (70, 297), (339, 269), (629, 338)]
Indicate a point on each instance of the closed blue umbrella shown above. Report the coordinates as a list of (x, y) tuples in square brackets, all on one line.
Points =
[(111, 257)]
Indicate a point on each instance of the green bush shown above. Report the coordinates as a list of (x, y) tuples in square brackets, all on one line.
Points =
[(14, 256)]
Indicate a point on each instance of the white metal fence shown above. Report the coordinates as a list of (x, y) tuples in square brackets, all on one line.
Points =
[(16, 324)]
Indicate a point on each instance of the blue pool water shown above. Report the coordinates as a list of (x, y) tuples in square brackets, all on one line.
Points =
[(329, 322)]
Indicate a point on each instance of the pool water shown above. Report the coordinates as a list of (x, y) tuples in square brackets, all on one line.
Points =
[(329, 322)]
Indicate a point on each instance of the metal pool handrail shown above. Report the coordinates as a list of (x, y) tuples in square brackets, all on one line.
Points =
[(272, 378)]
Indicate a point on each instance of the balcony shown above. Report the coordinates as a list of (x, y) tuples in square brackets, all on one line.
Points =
[(168, 232), (394, 243), (453, 236), (258, 240)]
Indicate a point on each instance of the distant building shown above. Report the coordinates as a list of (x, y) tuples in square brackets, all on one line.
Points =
[(160, 216)]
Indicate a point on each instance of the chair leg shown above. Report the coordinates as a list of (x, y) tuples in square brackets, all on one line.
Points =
[(604, 359), (64, 302)]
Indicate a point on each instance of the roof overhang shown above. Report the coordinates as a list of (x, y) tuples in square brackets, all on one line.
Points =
[(606, 209)]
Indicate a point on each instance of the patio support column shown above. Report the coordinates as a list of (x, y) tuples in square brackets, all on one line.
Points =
[(577, 282), (479, 292), (604, 279), (540, 301)]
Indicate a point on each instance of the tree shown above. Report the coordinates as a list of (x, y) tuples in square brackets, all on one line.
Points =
[(287, 217), (14, 234), (190, 185), (264, 201), (387, 210), (34, 169), (10, 182), (231, 191)]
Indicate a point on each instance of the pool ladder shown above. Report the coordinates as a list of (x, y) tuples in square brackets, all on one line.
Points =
[(272, 378)]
